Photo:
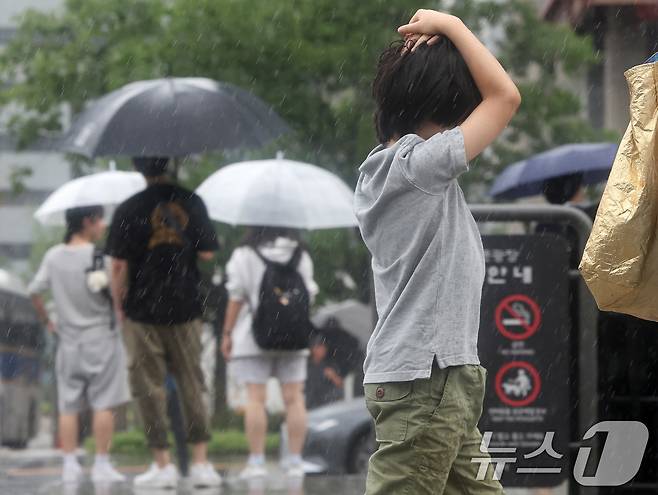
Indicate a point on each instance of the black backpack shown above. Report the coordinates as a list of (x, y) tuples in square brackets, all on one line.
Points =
[(281, 321)]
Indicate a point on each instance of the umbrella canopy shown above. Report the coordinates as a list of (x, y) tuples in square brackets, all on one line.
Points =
[(108, 189), (526, 178), (354, 316), (173, 117), (278, 193)]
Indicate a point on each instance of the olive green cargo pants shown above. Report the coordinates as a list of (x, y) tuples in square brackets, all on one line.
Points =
[(153, 351), (427, 435)]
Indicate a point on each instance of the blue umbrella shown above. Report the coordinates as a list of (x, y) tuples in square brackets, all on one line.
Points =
[(526, 178)]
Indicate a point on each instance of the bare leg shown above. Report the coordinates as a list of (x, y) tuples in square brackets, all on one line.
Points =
[(68, 432), (103, 430), (200, 453), (255, 418), (293, 397), (161, 457)]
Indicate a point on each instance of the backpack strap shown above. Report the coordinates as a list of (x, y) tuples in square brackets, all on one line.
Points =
[(295, 258), (98, 263), (98, 260), (263, 258)]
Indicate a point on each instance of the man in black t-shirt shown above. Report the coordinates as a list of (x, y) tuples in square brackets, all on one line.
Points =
[(155, 240)]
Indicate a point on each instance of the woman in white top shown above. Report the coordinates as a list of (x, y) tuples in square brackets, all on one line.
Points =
[(251, 365)]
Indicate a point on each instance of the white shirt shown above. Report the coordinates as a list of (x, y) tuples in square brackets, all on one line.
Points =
[(245, 272)]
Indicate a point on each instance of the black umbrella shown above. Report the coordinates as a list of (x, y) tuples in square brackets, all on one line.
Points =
[(173, 117)]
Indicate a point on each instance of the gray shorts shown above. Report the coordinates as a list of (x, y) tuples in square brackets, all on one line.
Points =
[(287, 368), (95, 370)]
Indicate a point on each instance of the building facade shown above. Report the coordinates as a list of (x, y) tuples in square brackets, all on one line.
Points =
[(625, 34), (26, 176)]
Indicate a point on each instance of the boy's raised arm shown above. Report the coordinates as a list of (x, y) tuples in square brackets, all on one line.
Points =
[(500, 96)]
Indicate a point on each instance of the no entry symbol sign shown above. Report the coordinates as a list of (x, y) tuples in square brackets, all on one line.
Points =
[(517, 317)]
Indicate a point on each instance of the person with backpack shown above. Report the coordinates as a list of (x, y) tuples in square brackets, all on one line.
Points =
[(156, 238), (90, 365), (266, 333)]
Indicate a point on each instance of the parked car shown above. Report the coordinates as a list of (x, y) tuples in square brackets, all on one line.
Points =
[(340, 438), (21, 341)]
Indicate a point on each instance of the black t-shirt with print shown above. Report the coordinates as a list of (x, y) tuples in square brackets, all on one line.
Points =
[(159, 232)]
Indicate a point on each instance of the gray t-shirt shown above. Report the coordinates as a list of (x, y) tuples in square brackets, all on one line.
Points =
[(427, 257), (81, 314)]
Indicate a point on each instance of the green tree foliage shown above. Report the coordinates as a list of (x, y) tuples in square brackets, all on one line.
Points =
[(312, 60)]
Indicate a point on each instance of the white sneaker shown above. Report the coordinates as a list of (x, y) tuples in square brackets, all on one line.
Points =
[(295, 470), (156, 477), (105, 473), (71, 472), (204, 475), (253, 471)]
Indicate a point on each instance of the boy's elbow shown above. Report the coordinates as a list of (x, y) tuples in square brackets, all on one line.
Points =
[(513, 98)]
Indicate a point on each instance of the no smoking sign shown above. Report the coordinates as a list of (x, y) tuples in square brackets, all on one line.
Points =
[(517, 317)]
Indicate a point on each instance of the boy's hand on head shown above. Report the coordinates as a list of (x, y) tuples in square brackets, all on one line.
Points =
[(413, 41), (428, 23)]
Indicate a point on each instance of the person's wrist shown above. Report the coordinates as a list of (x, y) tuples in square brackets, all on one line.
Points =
[(448, 24)]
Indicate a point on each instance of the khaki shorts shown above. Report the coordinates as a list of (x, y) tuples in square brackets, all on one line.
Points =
[(427, 435)]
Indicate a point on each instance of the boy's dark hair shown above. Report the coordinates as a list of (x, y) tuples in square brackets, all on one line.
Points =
[(150, 166), (559, 190), (75, 218), (431, 84)]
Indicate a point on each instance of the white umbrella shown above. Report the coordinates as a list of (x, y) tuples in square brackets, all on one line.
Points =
[(108, 189), (278, 193)]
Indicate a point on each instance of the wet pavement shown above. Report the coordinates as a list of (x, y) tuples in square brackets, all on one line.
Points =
[(312, 485), (45, 481), (39, 478), (36, 471)]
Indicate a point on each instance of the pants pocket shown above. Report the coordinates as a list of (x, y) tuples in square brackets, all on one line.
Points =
[(389, 404), (438, 382), (474, 387)]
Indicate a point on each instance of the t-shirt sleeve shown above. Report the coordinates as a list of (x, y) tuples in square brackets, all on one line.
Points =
[(41, 281), (430, 164), (118, 243), (236, 284), (202, 231)]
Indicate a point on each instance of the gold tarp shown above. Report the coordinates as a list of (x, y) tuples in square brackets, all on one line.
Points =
[(620, 262)]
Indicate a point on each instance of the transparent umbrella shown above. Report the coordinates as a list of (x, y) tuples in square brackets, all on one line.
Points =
[(108, 189), (278, 193)]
